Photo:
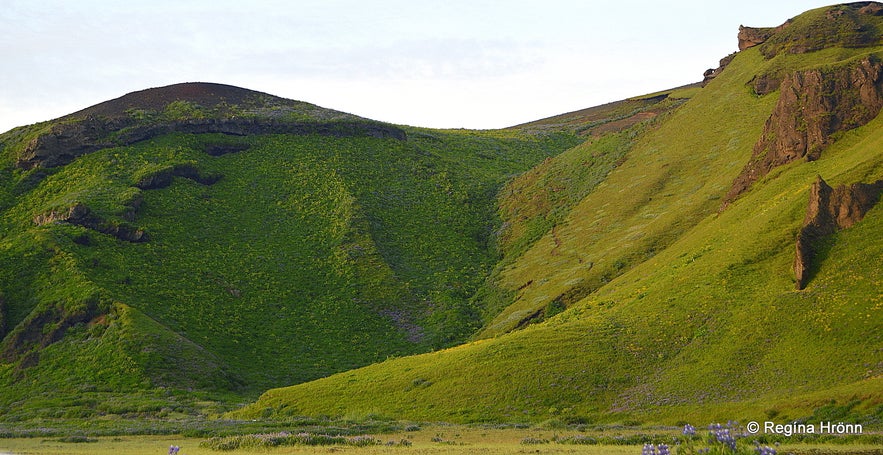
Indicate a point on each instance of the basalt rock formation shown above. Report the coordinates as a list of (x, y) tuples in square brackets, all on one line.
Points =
[(830, 210), (813, 105), (849, 25), (753, 36), (193, 108), (712, 73), (64, 142), (81, 215)]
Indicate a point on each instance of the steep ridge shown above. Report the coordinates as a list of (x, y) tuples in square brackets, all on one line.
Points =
[(688, 312)]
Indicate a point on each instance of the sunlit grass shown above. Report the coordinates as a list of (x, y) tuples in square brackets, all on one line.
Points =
[(685, 308), (428, 439)]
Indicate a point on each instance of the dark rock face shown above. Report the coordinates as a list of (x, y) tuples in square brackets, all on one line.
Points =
[(67, 141), (32, 333), (830, 210), (813, 105), (753, 36), (710, 74), (163, 178), (872, 8), (79, 214), (765, 84)]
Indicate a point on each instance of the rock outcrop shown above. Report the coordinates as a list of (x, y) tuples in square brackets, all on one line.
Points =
[(712, 73), (753, 36), (42, 328), (163, 178), (79, 214), (66, 141), (847, 25), (830, 210), (813, 105)]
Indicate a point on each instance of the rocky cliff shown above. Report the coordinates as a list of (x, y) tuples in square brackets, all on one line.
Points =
[(849, 25), (830, 210), (754, 36), (813, 105)]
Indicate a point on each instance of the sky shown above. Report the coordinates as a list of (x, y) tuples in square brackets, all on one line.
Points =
[(442, 64)]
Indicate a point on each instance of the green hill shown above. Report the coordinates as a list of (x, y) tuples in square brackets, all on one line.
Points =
[(709, 252), (201, 242), (649, 273)]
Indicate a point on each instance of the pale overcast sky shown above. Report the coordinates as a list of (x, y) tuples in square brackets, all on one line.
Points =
[(445, 64)]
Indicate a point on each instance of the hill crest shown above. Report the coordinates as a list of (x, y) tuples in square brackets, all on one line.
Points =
[(196, 107)]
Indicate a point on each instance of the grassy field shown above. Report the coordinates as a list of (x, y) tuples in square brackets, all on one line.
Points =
[(428, 439)]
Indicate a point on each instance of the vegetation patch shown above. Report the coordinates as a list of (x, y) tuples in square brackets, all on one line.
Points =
[(282, 439)]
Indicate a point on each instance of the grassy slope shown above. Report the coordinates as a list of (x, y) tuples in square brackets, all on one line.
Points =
[(696, 313), (310, 255), (670, 179)]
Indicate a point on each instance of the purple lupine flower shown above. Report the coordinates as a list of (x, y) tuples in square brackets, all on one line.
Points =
[(649, 449), (663, 449), (173, 450), (726, 438), (689, 430)]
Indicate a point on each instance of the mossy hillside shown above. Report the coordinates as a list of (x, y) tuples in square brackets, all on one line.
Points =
[(535, 202), (671, 177), (695, 157), (839, 26), (310, 255), (704, 319)]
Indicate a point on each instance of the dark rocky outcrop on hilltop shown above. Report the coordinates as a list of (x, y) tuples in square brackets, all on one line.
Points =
[(753, 36), (830, 210), (201, 108), (812, 106), (712, 73), (850, 25), (68, 141)]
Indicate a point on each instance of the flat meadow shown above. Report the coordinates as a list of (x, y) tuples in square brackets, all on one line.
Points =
[(441, 439)]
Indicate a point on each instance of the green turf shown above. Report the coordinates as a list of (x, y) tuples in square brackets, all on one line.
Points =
[(310, 255), (685, 307), (577, 269)]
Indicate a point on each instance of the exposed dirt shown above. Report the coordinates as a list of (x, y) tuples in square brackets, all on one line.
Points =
[(205, 94)]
